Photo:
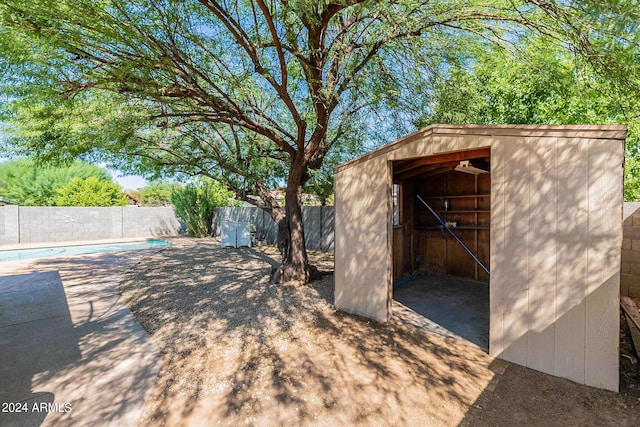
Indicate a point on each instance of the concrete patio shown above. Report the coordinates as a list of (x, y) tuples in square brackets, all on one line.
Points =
[(457, 309), (72, 352)]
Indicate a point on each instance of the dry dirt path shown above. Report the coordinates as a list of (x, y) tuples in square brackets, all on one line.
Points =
[(239, 351)]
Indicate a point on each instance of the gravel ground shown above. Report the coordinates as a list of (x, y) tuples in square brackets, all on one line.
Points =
[(239, 351)]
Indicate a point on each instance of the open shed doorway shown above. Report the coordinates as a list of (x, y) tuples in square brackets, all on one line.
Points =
[(438, 285)]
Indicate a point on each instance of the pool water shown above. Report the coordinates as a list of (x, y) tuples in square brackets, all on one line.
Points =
[(19, 254)]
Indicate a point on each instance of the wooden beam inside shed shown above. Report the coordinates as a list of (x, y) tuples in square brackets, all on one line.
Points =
[(405, 166), (427, 170)]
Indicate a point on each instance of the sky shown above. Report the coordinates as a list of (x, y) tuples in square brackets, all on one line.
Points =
[(128, 182)]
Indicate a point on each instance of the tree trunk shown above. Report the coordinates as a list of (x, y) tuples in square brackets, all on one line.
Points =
[(295, 264), (294, 268)]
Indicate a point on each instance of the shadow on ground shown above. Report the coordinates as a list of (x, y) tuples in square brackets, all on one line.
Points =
[(37, 336), (67, 340), (238, 350)]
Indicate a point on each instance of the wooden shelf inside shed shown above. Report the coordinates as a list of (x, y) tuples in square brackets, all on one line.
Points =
[(451, 211), (469, 205)]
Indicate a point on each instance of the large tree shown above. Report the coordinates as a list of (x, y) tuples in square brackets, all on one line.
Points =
[(253, 93)]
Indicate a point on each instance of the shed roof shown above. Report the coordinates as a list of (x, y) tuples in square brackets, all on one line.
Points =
[(578, 131)]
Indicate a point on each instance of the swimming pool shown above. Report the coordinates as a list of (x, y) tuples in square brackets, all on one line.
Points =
[(20, 254)]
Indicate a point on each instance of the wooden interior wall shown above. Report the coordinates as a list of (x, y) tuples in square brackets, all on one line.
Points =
[(398, 254), (403, 251), (469, 207)]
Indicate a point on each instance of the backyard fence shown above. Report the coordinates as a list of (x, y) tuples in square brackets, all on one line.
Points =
[(34, 224), (318, 224)]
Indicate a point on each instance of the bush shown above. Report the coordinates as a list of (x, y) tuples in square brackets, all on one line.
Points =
[(91, 191), (157, 194), (195, 205), (31, 184)]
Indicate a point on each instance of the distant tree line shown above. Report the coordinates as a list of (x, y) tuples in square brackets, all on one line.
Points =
[(28, 183)]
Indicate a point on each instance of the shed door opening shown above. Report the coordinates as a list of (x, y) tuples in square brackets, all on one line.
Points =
[(434, 276)]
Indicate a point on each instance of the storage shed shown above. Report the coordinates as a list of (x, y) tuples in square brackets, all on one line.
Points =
[(540, 207)]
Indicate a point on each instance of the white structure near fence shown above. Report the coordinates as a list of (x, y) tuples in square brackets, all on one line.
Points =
[(235, 234), (318, 224)]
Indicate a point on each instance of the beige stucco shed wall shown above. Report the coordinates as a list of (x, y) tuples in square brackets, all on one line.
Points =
[(556, 236)]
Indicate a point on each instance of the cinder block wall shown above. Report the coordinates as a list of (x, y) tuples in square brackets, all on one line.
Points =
[(150, 221), (9, 225), (2, 224), (630, 269), (35, 224)]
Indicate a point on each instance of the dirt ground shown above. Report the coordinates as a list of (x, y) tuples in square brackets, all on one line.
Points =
[(239, 351)]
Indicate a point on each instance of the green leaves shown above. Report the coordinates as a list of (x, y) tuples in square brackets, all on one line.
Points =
[(195, 203), (32, 184), (157, 194), (91, 191), (540, 84), (238, 90)]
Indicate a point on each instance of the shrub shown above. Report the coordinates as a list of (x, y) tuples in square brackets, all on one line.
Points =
[(195, 205), (91, 191), (157, 194), (31, 184)]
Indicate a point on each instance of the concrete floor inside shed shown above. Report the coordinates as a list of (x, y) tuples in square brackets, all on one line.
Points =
[(453, 307)]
